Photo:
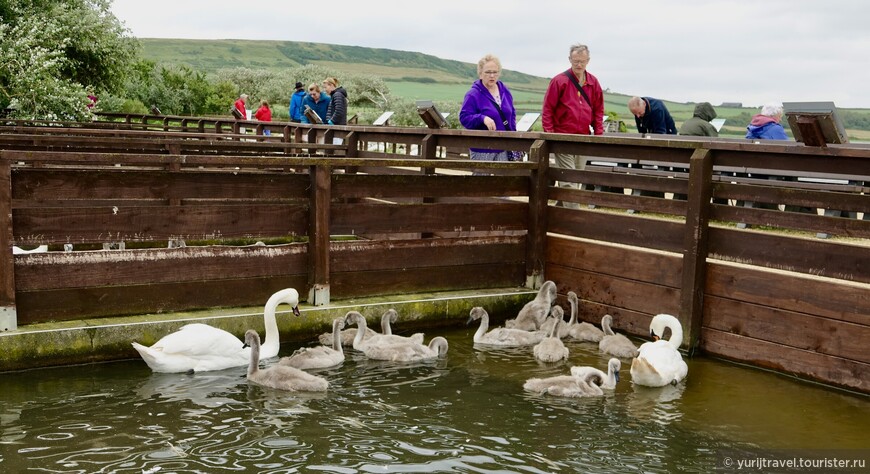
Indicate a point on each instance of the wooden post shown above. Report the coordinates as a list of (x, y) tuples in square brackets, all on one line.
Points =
[(8, 312), (536, 240), (318, 235), (428, 149), (695, 243)]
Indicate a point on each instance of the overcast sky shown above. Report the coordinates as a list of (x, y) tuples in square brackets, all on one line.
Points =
[(697, 50)]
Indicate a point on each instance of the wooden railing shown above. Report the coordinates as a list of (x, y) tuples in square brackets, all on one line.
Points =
[(655, 229)]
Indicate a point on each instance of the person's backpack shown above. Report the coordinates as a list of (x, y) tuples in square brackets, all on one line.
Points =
[(235, 112)]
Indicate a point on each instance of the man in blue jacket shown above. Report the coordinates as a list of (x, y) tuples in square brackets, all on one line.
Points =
[(651, 116), (296, 103)]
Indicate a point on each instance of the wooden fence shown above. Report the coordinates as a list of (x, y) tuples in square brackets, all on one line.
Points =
[(374, 210)]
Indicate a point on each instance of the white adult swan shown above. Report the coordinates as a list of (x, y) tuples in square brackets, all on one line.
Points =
[(501, 336), (319, 357), (360, 342), (552, 349), (535, 312), (608, 380), (409, 351), (199, 347), (566, 386), (281, 377), (659, 363), (615, 344), (581, 331)]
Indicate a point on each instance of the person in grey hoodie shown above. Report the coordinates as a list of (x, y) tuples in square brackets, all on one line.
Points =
[(699, 125)]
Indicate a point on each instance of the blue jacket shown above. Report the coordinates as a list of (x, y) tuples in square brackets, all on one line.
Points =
[(296, 105), (479, 104), (656, 119), (320, 107), (765, 127)]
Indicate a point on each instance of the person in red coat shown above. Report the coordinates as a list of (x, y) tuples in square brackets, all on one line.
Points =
[(574, 103), (264, 114), (240, 106)]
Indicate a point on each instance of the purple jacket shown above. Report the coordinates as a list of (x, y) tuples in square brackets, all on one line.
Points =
[(479, 103)]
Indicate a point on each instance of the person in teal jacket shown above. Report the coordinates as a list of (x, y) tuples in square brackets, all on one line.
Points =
[(317, 100)]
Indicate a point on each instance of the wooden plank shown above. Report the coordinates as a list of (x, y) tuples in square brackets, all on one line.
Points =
[(420, 254), (621, 177), (790, 328), (59, 270), (62, 185), (409, 280), (536, 244), (638, 231), (695, 244), (845, 227), (790, 291), (620, 201), (417, 185), (598, 257), (7, 267), (85, 303), (832, 259), (318, 233), (74, 225), (633, 295), (366, 218), (837, 371)]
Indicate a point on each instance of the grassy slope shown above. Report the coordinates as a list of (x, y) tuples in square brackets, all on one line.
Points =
[(399, 68)]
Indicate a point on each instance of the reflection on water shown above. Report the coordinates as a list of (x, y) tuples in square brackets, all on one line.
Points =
[(465, 413)]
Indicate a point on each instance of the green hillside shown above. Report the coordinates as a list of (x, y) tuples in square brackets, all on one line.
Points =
[(419, 76)]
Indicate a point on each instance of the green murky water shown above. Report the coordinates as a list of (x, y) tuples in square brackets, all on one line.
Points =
[(466, 413)]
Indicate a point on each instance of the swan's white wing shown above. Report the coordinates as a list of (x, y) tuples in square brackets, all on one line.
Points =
[(194, 340)]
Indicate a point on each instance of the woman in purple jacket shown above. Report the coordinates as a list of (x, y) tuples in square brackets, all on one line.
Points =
[(489, 105)]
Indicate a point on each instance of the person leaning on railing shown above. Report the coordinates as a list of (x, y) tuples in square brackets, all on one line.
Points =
[(489, 105)]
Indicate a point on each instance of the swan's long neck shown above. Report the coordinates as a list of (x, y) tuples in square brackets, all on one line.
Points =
[(573, 303), (386, 329), (254, 364), (272, 344), (360, 331), (484, 326), (605, 326), (676, 333), (336, 336)]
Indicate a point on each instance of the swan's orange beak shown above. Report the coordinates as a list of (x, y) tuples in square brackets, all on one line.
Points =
[(656, 338)]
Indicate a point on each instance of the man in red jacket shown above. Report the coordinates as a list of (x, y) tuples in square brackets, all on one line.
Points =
[(574, 103)]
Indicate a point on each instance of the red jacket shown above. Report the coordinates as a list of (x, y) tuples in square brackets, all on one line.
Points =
[(566, 111), (240, 106), (263, 114)]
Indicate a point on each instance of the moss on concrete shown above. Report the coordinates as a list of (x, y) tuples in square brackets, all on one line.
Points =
[(93, 340)]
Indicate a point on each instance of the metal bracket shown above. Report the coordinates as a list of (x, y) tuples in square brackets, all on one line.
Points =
[(8, 318), (319, 295)]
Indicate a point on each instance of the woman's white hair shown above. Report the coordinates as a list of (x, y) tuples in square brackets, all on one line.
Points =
[(771, 109)]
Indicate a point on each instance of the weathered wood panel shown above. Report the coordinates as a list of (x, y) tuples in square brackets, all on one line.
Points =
[(789, 291), (630, 230), (802, 363), (599, 257), (132, 223), (83, 303), (419, 255), (364, 218), (789, 328), (805, 255), (409, 280), (395, 185), (58, 270), (46, 185)]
